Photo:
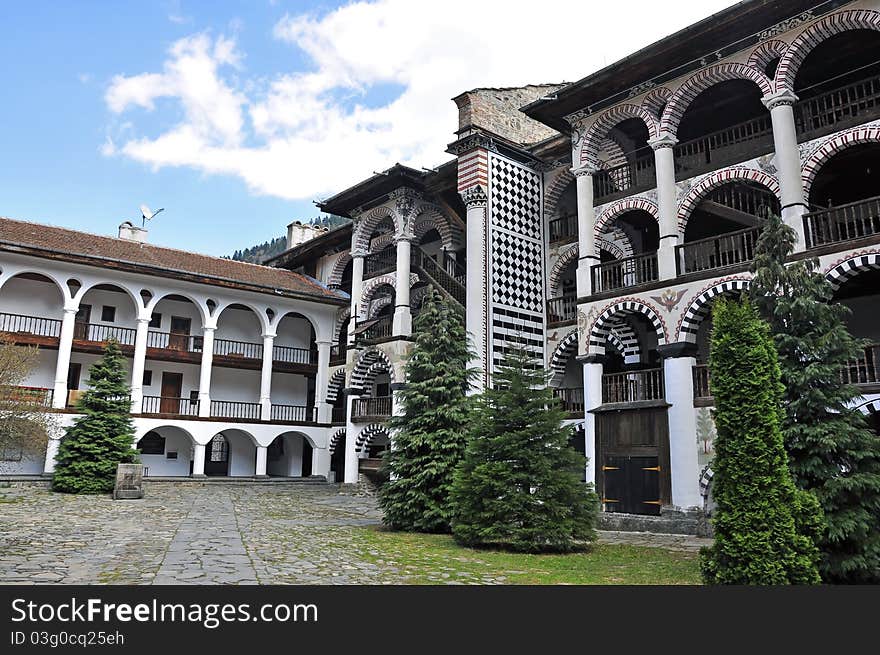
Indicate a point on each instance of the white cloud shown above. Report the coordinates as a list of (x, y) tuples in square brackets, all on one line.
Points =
[(307, 132)]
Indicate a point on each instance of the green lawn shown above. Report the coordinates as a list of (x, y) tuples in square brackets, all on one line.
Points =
[(437, 559)]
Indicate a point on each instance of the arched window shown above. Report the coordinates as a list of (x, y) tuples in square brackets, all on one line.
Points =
[(152, 443)]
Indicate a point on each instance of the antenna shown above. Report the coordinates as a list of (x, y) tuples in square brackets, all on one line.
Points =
[(147, 214)]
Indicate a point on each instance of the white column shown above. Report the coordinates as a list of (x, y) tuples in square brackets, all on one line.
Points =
[(684, 466), (587, 257), (260, 470), (51, 453), (351, 456), (592, 400), (788, 161), (475, 200), (266, 377), (322, 379), (137, 364), (402, 326), (357, 290), (321, 462), (664, 166), (62, 363), (198, 460), (205, 372)]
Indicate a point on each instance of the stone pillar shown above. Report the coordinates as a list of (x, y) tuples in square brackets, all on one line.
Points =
[(266, 377), (137, 364), (587, 257), (321, 462), (592, 399), (205, 372), (664, 166), (357, 289), (51, 453), (198, 460), (62, 363), (351, 456), (475, 200), (402, 326), (684, 467), (260, 468), (788, 161), (323, 409)]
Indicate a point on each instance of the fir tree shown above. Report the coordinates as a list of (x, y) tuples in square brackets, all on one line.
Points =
[(764, 525), (103, 436), (430, 433), (519, 486), (832, 451)]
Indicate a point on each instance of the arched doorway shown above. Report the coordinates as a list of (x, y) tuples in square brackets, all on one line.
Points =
[(166, 451), (290, 456)]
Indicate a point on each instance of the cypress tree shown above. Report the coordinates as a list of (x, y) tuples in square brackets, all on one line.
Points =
[(430, 433), (101, 438), (764, 525), (519, 486), (832, 451)]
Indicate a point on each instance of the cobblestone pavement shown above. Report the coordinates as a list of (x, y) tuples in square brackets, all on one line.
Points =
[(205, 534)]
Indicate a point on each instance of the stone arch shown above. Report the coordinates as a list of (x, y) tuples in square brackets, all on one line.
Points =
[(377, 304), (10, 273), (624, 337), (334, 385), (341, 316), (613, 249), (132, 293), (599, 129), (858, 19), (656, 100), (371, 285), (698, 307), (553, 191), (259, 312), (609, 318), (363, 367), (615, 209), (381, 242), (561, 354), (735, 174), (870, 407), (195, 300), (335, 440), (703, 80), (834, 145), (335, 277), (366, 223), (851, 266), (368, 434), (766, 52), (566, 255), (430, 217)]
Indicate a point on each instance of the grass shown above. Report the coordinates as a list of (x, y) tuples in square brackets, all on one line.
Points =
[(437, 559)]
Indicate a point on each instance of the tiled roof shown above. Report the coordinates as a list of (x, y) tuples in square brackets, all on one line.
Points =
[(71, 245)]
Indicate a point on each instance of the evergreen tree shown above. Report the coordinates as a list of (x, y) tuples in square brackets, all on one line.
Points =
[(832, 451), (764, 525), (103, 436), (430, 433), (519, 486)]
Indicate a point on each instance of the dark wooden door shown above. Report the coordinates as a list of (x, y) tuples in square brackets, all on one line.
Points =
[(217, 456), (337, 461), (307, 459), (81, 322), (632, 484), (179, 337), (172, 387)]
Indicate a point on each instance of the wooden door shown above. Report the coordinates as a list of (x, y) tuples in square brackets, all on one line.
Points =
[(632, 484), (217, 456), (81, 322), (179, 338), (172, 387)]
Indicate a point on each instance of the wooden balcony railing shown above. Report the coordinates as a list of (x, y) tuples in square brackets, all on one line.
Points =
[(104, 333), (36, 396), (33, 325), (450, 283), (338, 414), (572, 400), (337, 353), (837, 109), (235, 409), (633, 386), (377, 328), (563, 227), (169, 405), (625, 179), (292, 413), (380, 262), (865, 369), (843, 223), (370, 408), (174, 341), (243, 349), (732, 144), (291, 355), (561, 309), (701, 382), (717, 252), (626, 272)]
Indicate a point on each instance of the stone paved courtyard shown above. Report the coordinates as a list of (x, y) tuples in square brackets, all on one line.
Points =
[(184, 533)]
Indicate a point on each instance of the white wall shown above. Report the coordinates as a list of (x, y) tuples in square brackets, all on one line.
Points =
[(290, 464), (239, 325), (190, 377), (43, 373), (31, 298), (242, 454), (294, 332), (126, 313), (241, 385), (175, 441), (169, 308), (289, 389)]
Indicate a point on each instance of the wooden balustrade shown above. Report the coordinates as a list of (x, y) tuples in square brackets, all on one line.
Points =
[(863, 370), (563, 227), (373, 329), (175, 341), (235, 410), (838, 109), (843, 223), (628, 178), (32, 325), (292, 413), (561, 309), (103, 333), (626, 272), (380, 262), (717, 252), (572, 400), (243, 349), (370, 408), (170, 405), (23, 395), (633, 386), (732, 144), (702, 390), (450, 283), (291, 355)]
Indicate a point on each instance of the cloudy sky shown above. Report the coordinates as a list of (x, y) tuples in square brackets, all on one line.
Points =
[(234, 115)]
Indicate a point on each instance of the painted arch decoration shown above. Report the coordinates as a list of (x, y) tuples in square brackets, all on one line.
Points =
[(367, 222), (591, 144), (564, 350), (833, 146), (335, 439), (365, 367), (612, 211), (767, 52), (698, 307), (851, 266), (334, 385), (368, 435), (698, 191), (609, 317)]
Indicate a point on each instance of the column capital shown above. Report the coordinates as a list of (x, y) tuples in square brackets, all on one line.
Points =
[(584, 169), (143, 319), (663, 140), (358, 253), (268, 335), (324, 342), (71, 310), (779, 98), (209, 328), (474, 196)]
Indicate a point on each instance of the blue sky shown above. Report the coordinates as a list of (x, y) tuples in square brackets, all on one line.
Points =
[(235, 115)]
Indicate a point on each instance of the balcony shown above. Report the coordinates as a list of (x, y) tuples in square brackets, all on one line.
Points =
[(571, 400), (380, 262), (728, 249), (562, 309), (564, 228), (337, 354), (625, 273), (98, 335), (169, 406), (233, 409), (864, 371), (370, 409), (723, 147), (855, 220), (838, 109), (292, 414), (702, 391), (26, 396), (375, 329), (633, 386), (31, 329), (624, 180)]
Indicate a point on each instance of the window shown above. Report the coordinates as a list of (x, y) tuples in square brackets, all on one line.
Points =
[(148, 378), (152, 443), (218, 448), (108, 313), (172, 454), (156, 320)]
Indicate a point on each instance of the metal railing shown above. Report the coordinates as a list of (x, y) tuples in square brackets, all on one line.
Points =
[(633, 386), (717, 252), (572, 400), (864, 369), (843, 223), (563, 308), (37, 396), (243, 349), (563, 227), (368, 408), (104, 333), (292, 413), (170, 405), (235, 409), (701, 381), (22, 324), (626, 272)]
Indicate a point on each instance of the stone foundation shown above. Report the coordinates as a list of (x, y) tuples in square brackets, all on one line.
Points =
[(671, 521)]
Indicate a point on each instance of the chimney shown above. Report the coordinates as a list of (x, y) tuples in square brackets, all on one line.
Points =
[(130, 232), (298, 233)]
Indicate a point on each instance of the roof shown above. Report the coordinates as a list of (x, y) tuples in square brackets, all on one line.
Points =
[(372, 189), (730, 29), (63, 244), (326, 242)]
